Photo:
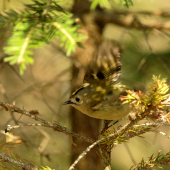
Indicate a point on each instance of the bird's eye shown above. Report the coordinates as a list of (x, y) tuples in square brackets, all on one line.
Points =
[(100, 75), (77, 99)]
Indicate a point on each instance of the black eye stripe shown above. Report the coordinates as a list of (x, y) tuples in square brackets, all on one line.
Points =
[(79, 89)]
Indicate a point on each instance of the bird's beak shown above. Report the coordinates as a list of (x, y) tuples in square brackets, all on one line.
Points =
[(67, 102)]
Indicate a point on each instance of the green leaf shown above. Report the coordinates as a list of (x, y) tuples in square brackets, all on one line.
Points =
[(127, 3), (101, 3)]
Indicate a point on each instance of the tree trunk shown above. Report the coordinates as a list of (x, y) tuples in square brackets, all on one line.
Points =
[(81, 123)]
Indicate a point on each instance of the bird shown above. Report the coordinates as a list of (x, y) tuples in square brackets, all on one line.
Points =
[(98, 97)]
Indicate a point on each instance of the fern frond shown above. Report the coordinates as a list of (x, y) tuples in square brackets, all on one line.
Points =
[(67, 34)]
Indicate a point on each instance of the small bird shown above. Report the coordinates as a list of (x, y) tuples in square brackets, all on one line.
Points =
[(98, 97)]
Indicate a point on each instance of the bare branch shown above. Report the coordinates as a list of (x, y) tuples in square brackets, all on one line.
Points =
[(143, 128), (129, 21), (54, 126), (113, 136)]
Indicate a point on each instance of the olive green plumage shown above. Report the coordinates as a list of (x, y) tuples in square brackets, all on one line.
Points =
[(99, 96)]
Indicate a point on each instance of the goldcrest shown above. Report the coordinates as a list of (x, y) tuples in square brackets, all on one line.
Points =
[(98, 97)]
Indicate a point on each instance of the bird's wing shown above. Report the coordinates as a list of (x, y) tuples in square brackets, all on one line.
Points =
[(106, 64)]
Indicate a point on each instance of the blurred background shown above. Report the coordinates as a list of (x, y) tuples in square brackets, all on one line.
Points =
[(48, 82)]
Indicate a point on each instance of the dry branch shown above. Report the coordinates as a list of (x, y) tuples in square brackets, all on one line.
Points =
[(54, 126)]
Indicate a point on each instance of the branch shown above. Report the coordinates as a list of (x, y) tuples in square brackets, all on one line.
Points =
[(160, 159), (165, 14), (18, 163), (129, 21), (54, 126), (128, 132), (112, 136)]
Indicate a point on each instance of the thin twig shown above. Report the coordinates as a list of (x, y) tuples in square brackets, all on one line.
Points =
[(123, 130), (162, 133), (128, 21), (47, 8), (55, 126), (10, 127), (130, 153), (154, 53), (18, 163), (113, 136)]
